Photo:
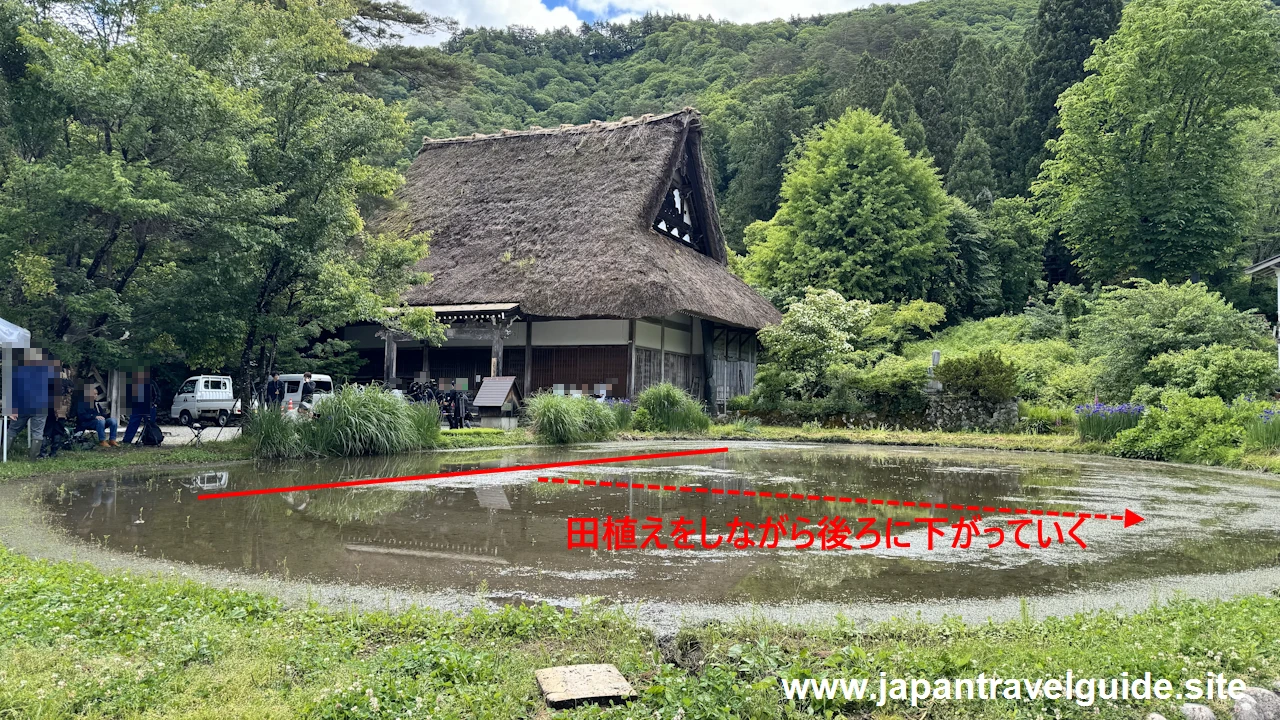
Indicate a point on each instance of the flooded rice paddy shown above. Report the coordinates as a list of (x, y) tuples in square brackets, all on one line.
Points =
[(503, 536)]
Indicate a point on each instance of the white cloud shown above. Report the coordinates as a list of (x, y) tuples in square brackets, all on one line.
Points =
[(498, 14), (536, 14), (743, 11)]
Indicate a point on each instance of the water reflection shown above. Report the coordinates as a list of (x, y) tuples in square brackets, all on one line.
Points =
[(508, 531)]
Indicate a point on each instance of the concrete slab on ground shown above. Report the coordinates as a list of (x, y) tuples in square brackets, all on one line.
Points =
[(568, 685)]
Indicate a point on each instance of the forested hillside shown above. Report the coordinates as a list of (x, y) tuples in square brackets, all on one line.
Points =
[(960, 62)]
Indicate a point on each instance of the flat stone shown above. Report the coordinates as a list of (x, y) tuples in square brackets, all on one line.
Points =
[(1192, 711), (569, 685), (1268, 702)]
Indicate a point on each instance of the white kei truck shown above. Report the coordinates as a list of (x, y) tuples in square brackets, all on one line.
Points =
[(205, 396)]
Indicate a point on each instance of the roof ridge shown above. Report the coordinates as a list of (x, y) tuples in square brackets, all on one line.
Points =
[(565, 129)]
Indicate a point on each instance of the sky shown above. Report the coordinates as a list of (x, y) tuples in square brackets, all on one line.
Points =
[(546, 14)]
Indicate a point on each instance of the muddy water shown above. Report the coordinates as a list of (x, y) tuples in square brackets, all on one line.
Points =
[(504, 535)]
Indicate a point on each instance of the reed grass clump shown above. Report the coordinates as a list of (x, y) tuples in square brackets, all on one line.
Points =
[(670, 409), (562, 419), (272, 434), (354, 420)]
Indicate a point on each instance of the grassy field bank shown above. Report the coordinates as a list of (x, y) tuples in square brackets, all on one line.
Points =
[(77, 643)]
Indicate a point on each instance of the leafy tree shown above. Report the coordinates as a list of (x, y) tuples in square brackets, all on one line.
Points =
[(970, 177), (896, 325), (1147, 177), (968, 283), (1127, 327), (859, 215), (1017, 250), (212, 164), (1061, 40), (817, 332), (899, 111), (829, 355), (757, 150)]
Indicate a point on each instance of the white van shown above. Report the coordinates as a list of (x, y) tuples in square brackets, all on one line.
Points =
[(293, 387), (205, 395)]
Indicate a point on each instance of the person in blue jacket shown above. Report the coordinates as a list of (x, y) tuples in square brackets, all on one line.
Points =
[(33, 384), (88, 417), (142, 403)]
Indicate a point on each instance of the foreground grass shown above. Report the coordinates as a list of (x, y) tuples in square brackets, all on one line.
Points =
[(77, 643)]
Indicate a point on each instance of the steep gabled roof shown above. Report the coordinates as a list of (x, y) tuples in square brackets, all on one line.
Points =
[(561, 221)]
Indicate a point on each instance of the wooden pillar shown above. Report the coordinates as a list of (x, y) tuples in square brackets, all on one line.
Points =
[(1278, 314), (495, 351), (426, 361), (708, 363), (631, 358), (528, 357), (115, 393), (389, 359), (662, 351)]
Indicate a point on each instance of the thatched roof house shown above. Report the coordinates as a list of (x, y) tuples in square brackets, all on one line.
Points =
[(607, 221)]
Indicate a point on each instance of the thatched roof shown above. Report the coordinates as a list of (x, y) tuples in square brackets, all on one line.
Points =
[(561, 222)]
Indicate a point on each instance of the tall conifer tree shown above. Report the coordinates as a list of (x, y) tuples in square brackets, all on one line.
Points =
[(1061, 41), (899, 111)]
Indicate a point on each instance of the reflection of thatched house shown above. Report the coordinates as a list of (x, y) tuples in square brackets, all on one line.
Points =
[(581, 258)]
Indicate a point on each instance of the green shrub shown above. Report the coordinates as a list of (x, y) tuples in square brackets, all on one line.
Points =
[(983, 375), (1072, 384), (671, 409), (1214, 370), (359, 420), (892, 388), (738, 403), (640, 420), (1044, 419), (272, 434), (1127, 327), (1099, 421), (1192, 430)]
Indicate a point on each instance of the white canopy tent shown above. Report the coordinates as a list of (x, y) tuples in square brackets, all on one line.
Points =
[(12, 337)]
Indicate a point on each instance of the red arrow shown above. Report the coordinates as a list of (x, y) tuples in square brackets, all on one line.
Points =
[(1129, 517), (462, 473)]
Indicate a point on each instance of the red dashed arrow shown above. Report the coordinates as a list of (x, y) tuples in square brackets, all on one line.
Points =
[(1129, 517)]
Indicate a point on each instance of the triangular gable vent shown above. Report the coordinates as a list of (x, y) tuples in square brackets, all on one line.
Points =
[(678, 217)]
